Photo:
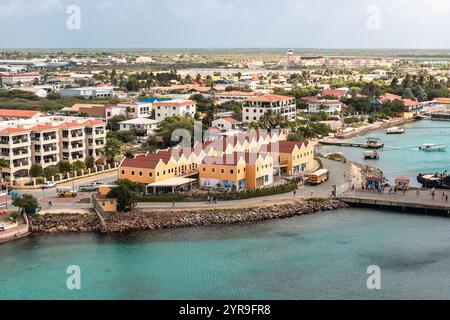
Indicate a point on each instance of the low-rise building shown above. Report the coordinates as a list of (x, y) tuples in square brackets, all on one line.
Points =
[(234, 96), (141, 127), (182, 108), (254, 108), (14, 114), (20, 78), (89, 92), (137, 109), (328, 106), (227, 124)]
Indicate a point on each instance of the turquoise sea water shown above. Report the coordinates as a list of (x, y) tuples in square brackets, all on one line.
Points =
[(401, 155), (322, 256)]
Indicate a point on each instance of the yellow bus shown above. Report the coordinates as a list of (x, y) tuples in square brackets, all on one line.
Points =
[(319, 176)]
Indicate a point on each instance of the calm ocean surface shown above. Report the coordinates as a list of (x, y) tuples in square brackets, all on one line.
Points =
[(401, 155), (323, 256)]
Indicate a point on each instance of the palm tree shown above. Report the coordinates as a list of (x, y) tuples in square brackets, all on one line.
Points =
[(3, 165)]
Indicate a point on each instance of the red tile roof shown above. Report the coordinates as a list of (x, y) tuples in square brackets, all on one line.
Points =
[(269, 98), (14, 130), (19, 113), (174, 103)]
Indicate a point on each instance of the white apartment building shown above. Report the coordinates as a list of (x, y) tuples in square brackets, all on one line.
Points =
[(47, 140), (328, 106), (164, 109), (89, 92), (254, 108), (137, 109)]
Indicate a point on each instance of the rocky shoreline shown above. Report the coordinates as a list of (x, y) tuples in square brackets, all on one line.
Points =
[(162, 219)]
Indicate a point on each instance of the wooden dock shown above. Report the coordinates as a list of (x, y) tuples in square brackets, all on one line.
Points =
[(410, 201), (351, 144)]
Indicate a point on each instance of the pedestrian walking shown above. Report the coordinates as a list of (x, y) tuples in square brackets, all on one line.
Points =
[(50, 204), (173, 204), (432, 194), (446, 197), (295, 192)]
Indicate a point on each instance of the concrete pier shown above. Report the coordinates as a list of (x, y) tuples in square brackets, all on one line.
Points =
[(422, 202)]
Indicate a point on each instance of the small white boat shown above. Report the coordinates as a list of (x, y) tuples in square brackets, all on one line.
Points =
[(395, 130), (432, 147), (374, 155)]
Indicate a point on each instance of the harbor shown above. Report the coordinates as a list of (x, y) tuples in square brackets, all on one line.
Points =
[(414, 200)]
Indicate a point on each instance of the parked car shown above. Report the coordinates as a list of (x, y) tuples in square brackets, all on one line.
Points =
[(49, 185), (88, 187)]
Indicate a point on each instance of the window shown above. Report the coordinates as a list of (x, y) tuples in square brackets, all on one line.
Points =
[(204, 169), (231, 171), (157, 174), (132, 173), (222, 171), (123, 171), (213, 170), (150, 174), (140, 173), (239, 170)]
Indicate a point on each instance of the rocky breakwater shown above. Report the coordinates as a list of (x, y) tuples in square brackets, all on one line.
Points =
[(361, 171), (159, 219), (51, 223)]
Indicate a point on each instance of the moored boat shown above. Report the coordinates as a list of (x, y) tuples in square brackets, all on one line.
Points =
[(434, 180), (395, 130), (372, 154), (433, 147)]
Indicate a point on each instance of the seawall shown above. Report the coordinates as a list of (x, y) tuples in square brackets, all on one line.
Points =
[(148, 219)]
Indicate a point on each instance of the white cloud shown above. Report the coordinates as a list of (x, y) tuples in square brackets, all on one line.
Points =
[(13, 8)]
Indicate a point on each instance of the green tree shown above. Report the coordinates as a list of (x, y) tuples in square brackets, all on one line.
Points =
[(64, 166), (78, 165), (50, 171), (26, 203), (89, 162), (163, 134), (408, 94), (36, 171), (125, 194), (113, 123), (3, 164), (113, 147)]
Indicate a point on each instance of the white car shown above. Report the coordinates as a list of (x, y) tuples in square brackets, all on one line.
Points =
[(49, 185)]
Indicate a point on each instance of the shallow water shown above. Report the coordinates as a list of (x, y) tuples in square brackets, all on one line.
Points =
[(322, 256), (401, 155)]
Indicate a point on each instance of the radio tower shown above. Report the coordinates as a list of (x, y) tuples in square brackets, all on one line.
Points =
[(289, 55)]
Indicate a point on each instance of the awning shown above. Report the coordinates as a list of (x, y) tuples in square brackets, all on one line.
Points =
[(172, 182)]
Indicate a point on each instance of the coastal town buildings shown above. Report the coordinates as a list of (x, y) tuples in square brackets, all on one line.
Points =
[(254, 108), (249, 160), (47, 140)]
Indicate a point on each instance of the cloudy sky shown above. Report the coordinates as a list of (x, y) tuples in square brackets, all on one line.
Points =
[(225, 23)]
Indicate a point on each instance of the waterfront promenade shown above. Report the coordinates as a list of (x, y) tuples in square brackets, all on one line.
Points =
[(410, 200)]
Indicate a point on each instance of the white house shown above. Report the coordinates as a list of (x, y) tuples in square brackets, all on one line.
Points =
[(226, 124), (328, 106), (179, 107), (141, 127)]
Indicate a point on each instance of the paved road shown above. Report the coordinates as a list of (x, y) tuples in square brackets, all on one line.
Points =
[(339, 175), (44, 196)]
